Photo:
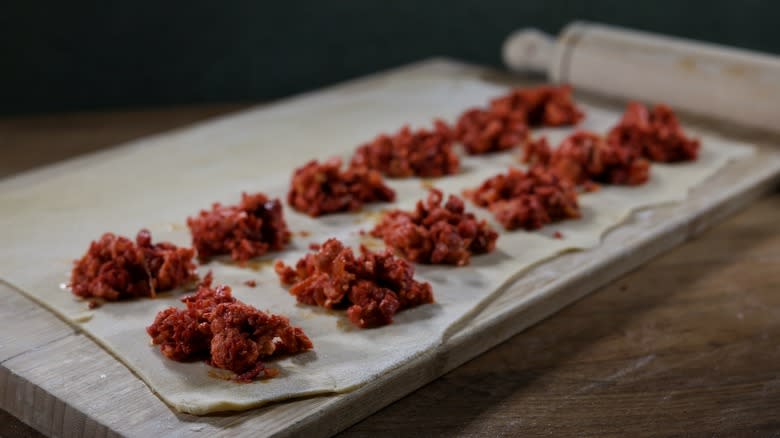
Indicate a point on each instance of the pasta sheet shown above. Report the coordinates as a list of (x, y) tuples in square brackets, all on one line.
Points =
[(50, 216)]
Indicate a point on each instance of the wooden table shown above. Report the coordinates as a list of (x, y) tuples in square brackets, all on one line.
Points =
[(687, 344)]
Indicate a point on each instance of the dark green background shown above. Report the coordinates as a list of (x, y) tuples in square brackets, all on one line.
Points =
[(66, 55)]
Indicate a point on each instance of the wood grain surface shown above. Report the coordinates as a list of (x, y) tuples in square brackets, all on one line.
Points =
[(685, 345)]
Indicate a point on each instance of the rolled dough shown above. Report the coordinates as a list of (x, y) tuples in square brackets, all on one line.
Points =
[(50, 216)]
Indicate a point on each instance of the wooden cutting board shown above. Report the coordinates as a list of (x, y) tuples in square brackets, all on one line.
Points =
[(62, 383)]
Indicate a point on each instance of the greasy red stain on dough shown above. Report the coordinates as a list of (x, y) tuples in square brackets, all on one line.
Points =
[(587, 157), (116, 268), (225, 332), (426, 153), (527, 200), (655, 135), (436, 234), (250, 229), (372, 286), (323, 188)]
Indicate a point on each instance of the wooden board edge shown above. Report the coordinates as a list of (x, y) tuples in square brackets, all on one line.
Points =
[(44, 412)]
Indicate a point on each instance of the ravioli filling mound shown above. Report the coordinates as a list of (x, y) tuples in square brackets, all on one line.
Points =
[(116, 268), (425, 153), (655, 135), (436, 234), (586, 157), (482, 131), (323, 188), (373, 287), (505, 123), (527, 200), (250, 229), (226, 333), (545, 105)]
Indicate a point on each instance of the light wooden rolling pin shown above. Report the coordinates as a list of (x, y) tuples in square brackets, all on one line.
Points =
[(716, 81)]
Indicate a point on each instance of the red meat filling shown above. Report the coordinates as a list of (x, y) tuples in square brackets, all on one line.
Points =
[(484, 131), (436, 234), (227, 333), (116, 268), (373, 286), (545, 105), (410, 153), (584, 157), (655, 135), (250, 229), (537, 152), (505, 124), (318, 189), (527, 200)]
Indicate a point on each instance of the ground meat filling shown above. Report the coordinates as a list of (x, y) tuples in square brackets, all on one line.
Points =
[(539, 106), (436, 234), (169, 266), (116, 268), (655, 135), (585, 157), (410, 153), (372, 286), (527, 200), (537, 152), (484, 131), (505, 123), (227, 333), (323, 188), (250, 229)]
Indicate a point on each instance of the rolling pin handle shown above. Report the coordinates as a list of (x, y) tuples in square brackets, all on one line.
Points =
[(528, 50)]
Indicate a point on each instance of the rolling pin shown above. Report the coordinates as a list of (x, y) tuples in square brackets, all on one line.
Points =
[(716, 81)]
